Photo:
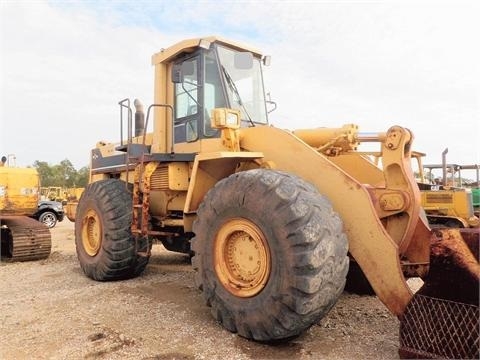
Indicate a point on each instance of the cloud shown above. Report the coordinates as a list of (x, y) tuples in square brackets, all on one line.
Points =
[(66, 65), (62, 77), (379, 64)]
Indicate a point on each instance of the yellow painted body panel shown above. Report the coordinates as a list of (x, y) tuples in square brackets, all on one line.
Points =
[(178, 176), (359, 167), (208, 169), (19, 191), (201, 146), (163, 94)]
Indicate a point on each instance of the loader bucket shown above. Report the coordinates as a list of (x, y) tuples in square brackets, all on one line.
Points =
[(442, 319)]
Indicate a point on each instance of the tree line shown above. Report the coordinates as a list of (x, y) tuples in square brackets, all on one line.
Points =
[(63, 174)]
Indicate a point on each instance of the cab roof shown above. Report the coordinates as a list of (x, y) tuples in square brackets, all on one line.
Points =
[(189, 45)]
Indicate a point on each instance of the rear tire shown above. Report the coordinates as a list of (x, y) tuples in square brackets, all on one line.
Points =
[(270, 254), (106, 248)]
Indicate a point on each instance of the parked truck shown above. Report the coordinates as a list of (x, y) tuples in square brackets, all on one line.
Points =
[(271, 217)]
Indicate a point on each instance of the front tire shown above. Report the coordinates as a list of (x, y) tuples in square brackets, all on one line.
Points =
[(106, 248), (48, 218), (270, 254)]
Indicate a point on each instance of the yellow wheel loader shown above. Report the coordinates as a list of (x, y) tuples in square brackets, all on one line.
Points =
[(271, 217), (22, 238)]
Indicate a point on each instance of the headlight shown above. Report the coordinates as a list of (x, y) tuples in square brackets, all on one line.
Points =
[(232, 119)]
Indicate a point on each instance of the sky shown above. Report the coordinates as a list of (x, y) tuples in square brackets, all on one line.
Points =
[(64, 65)]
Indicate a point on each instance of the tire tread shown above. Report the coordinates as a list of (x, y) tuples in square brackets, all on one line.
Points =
[(117, 258), (318, 263)]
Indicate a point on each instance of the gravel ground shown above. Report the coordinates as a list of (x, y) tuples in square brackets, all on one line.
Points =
[(50, 310)]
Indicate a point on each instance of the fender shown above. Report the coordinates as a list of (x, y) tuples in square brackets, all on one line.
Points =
[(208, 169)]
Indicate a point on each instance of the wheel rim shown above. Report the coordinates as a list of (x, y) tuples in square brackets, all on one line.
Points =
[(91, 233), (49, 220), (242, 257)]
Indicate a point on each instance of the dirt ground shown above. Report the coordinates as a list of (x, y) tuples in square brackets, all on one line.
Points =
[(50, 310)]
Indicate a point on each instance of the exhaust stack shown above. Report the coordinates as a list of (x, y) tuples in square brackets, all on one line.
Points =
[(139, 118)]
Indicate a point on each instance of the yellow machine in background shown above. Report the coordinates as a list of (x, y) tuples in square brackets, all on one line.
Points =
[(450, 207), (445, 203), (22, 238), (67, 196), (53, 193), (73, 195), (271, 217)]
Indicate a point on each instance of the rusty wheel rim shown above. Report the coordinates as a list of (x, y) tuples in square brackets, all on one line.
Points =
[(91, 232), (242, 257)]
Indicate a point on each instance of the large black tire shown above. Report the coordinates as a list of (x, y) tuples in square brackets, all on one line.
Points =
[(105, 246), (302, 261)]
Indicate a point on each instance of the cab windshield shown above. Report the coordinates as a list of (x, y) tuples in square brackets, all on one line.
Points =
[(216, 78), (243, 85)]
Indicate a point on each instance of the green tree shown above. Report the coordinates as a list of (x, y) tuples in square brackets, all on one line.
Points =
[(82, 177), (45, 172), (65, 173), (62, 175)]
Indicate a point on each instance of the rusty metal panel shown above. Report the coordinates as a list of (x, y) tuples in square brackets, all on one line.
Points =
[(433, 328), (24, 239)]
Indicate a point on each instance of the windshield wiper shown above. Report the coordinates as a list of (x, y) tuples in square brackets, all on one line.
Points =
[(232, 85), (188, 91)]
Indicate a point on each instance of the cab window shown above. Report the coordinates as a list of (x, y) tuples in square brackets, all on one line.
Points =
[(187, 102)]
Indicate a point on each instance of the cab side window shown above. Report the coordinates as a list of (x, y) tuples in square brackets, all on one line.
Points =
[(187, 102)]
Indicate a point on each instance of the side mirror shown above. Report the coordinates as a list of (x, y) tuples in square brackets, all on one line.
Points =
[(179, 71), (177, 76), (188, 68), (267, 59)]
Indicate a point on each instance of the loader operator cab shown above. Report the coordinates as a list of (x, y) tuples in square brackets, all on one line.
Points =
[(217, 77)]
